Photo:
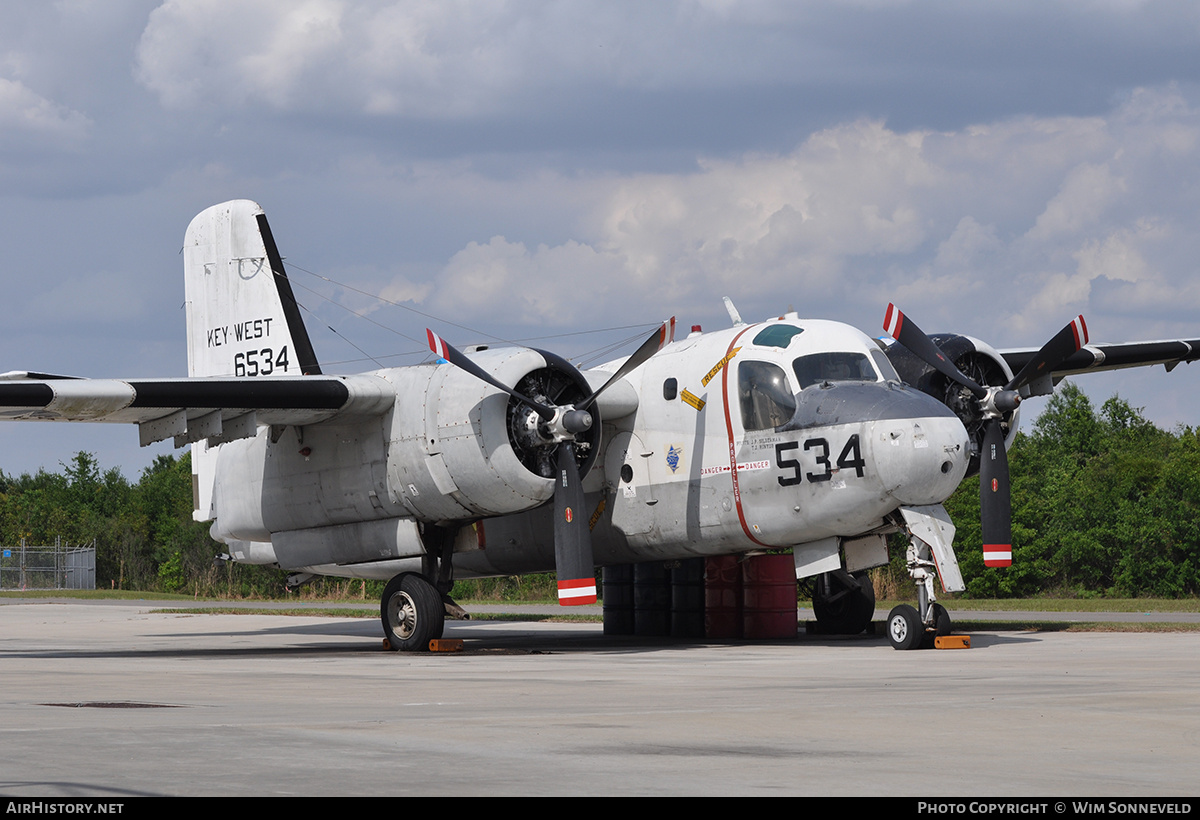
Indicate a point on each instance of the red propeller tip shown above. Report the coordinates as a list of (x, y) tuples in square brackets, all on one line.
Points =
[(997, 555), (893, 320), (436, 344), (577, 591), (1081, 331)]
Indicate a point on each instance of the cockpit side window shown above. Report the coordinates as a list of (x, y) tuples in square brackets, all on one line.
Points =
[(765, 396), (885, 367), (833, 366)]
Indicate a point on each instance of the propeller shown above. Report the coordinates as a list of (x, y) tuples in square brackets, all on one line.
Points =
[(995, 500), (573, 562)]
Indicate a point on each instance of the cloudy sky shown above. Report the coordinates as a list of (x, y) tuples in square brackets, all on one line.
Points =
[(533, 169)]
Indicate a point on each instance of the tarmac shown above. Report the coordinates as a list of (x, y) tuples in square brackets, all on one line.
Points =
[(111, 700)]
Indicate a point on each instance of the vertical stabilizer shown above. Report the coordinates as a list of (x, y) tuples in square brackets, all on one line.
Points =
[(242, 318)]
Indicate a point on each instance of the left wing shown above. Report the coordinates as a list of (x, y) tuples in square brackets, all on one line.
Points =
[(1096, 357), (190, 410)]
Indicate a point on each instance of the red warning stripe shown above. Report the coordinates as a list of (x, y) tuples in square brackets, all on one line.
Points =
[(997, 555), (436, 344), (1081, 333), (733, 466), (893, 320), (577, 591)]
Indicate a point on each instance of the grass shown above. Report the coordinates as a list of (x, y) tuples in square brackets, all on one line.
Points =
[(1061, 604)]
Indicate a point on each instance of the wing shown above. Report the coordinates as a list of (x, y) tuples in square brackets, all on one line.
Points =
[(191, 410), (1096, 357)]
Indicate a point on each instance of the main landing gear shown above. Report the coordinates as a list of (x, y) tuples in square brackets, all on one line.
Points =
[(413, 613), (843, 603)]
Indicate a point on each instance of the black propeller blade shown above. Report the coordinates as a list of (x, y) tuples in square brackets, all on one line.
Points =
[(573, 564), (995, 500), (657, 341), (1053, 353), (906, 332), (451, 354), (573, 561)]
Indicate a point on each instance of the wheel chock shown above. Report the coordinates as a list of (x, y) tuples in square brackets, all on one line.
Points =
[(445, 645), (952, 642)]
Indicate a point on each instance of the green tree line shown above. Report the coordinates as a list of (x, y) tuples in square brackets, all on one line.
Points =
[(145, 537), (1104, 503)]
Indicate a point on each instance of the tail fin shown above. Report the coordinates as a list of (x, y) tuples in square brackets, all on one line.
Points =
[(242, 317)]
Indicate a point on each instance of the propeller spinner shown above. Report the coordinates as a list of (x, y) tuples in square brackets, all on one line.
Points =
[(574, 565), (994, 402)]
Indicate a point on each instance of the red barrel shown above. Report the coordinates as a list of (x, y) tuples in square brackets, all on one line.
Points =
[(769, 597), (722, 597)]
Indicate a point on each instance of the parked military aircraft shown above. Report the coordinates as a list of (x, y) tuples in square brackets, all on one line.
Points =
[(787, 433)]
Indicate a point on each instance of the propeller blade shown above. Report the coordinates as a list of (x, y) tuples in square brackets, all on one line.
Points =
[(995, 503), (448, 352), (1053, 353), (572, 537), (906, 332), (659, 339)]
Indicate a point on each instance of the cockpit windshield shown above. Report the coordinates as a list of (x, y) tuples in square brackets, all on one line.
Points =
[(765, 396), (834, 366)]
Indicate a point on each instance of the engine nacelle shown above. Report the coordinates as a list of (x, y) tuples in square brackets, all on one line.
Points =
[(976, 359), (460, 448)]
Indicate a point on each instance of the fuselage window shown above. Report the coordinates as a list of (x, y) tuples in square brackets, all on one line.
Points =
[(834, 366), (670, 389), (765, 396)]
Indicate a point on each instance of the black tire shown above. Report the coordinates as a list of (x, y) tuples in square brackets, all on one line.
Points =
[(942, 626), (841, 610), (412, 613), (904, 628)]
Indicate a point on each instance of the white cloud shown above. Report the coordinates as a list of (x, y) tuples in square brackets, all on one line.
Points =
[(1086, 192), (859, 214), (27, 118)]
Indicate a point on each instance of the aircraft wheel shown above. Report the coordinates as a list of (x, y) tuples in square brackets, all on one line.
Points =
[(412, 613), (841, 610), (904, 628), (942, 626)]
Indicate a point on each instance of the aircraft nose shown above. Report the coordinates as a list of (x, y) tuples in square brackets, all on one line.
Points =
[(921, 460), (918, 447)]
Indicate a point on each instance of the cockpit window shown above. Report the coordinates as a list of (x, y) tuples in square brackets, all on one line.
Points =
[(777, 335), (765, 396), (835, 366), (884, 365)]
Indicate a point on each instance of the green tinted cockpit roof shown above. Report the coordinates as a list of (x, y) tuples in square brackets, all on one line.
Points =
[(777, 335)]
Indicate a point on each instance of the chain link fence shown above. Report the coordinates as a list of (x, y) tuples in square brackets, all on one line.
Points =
[(60, 566)]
